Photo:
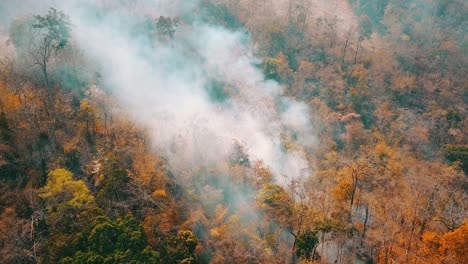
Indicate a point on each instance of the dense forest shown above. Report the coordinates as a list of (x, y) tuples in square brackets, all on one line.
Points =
[(233, 131)]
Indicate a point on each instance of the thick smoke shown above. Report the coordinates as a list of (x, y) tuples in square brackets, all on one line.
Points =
[(166, 86), (198, 93)]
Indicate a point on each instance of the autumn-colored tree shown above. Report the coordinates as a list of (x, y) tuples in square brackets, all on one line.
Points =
[(450, 247), (61, 190), (385, 82), (277, 202), (70, 206), (278, 69)]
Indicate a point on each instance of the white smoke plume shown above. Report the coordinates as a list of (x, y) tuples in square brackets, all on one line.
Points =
[(164, 84)]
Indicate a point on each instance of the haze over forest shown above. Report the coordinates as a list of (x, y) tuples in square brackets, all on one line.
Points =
[(233, 131)]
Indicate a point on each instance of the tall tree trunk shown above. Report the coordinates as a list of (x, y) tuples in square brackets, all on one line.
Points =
[(293, 255), (357, 52), (365, 225), (344, 51)]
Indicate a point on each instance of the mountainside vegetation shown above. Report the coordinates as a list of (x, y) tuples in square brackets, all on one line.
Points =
[(83, 181)]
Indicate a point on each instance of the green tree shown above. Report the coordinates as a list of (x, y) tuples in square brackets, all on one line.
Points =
[(457, 153), (166, 27), (8, 154), (306, 244), (182, 248), (53, 31), (108, 241), (114, 185)]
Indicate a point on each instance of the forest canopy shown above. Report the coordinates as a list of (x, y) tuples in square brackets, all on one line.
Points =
[(248, 131)]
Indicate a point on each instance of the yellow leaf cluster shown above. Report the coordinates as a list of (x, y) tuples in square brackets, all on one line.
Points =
[(359, 72), (71, 144), (262, 173), (9, 101), (219, 231), (403, 81), (343, 191), (382, 149), (60, 183), (159, 194), (85, 106)]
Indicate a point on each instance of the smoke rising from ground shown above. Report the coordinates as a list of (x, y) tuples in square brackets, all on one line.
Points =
[(196, 94), (164, 85)]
